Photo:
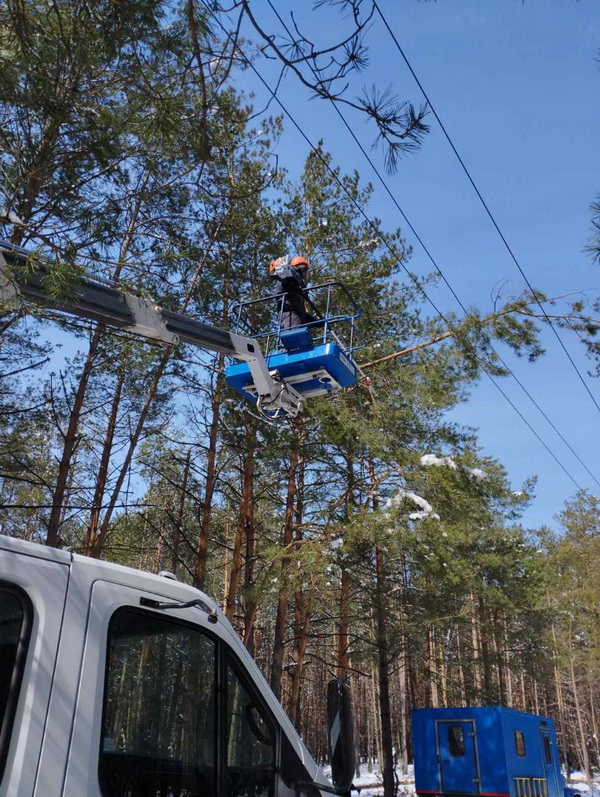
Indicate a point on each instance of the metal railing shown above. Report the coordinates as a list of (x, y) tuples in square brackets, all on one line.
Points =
[(254, 317), (531, 787)]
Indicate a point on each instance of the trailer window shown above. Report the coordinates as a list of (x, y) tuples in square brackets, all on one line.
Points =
[(547, 750), (456, 741), (15, 623), (159, 724), (520, 744)]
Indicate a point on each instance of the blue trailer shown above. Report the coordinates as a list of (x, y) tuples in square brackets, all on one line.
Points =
[(486, 751)]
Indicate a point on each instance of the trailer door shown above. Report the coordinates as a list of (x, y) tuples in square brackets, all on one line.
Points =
[(550, 762), (457, 756)]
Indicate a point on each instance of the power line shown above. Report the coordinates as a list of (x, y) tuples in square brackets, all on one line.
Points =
[(388, 246), (437, 267), (442, 275), (484, 203)]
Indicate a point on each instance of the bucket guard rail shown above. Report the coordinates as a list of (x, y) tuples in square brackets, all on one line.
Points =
[(315, 358)]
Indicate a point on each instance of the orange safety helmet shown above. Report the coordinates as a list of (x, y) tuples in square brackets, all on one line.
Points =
[(299, 262)]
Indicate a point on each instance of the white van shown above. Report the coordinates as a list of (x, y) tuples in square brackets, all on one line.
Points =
[(119, 683)]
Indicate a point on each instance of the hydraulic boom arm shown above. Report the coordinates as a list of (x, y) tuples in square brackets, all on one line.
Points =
[(113, 307)]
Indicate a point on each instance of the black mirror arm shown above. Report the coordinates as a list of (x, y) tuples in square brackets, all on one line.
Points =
[(200, 604)]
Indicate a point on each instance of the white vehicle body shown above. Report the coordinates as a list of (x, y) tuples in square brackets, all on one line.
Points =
[(83, 632)]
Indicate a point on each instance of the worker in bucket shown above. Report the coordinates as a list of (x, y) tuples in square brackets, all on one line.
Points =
[(292, 280)]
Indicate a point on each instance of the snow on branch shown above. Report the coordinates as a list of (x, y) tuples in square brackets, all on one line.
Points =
[(429, 460), (426, 509)]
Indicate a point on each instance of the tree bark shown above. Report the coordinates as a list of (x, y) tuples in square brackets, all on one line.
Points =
[(180, 513), (244, 522), (283, 601), (343, 652), (70, 444), (102, 477), (579, 714), (385, 712), (211, 479), (485, 654), (150, 395), (70, 438), (303, 605)]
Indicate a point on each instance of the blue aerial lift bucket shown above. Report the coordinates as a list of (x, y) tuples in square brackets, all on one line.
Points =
[(315, 358)]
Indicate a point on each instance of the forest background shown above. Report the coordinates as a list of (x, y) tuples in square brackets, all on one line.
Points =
[(371, 537)]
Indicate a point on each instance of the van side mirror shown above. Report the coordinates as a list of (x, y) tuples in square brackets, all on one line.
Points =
[(341, 734)]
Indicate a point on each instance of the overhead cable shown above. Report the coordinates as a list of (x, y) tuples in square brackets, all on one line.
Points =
[(435, 265), (395, 254), (485, 205)]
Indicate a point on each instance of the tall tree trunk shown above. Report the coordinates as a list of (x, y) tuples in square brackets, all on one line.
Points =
[(181, 513), (302, 618), (591, 694), (523, 706), (376, 713), (102, 476), (211, 479), (385, 711), (303, 604), (498, 649), (245, 523), (404, 724), (70, 441), (485, 653), (579, 715), (150, 395), (432, 686), (383, 659), (343, 651), (283, 601), (562, 713), (462, 681), (71, 436), (211, 456), (250, 596), (476, 646), (442, 669)]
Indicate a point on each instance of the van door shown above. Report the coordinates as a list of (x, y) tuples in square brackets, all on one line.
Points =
[(166, 708), (457, 756), (32, 598)]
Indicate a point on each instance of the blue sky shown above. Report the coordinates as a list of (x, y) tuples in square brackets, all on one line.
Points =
[(516, 85)]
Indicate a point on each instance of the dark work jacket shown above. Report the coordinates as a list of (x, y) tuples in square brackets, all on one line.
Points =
[(291, 282)]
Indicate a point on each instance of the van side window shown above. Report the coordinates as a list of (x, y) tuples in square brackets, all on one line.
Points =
[(159, 725), (520, 744), (456, 741), (15, 624), (250, 742)]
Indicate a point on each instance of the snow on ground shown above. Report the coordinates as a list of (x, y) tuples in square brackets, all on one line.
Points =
[(370, 783), (577, 781)]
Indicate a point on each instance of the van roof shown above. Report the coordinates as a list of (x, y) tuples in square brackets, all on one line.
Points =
[(107, 570)]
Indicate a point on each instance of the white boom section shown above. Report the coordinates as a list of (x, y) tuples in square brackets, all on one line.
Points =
[(113, 307)]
